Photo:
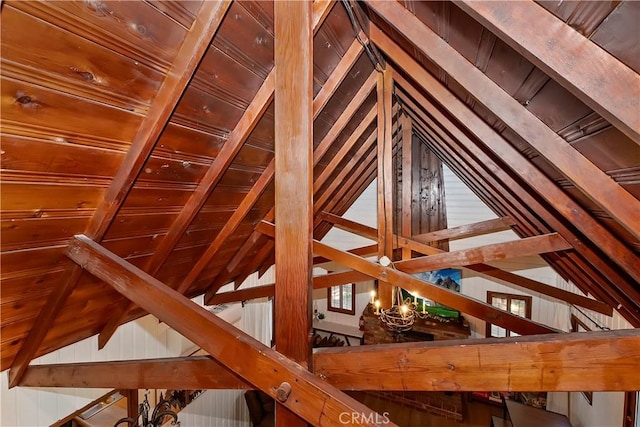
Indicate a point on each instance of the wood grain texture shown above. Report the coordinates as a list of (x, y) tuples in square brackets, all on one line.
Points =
[(264, 368), (602, 82), (449, 298), (591, 181), (187, 373), (293, 184), (564, 205), (595, 361)]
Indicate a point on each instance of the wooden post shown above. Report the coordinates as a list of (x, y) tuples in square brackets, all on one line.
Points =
[(293, 185), (385, 184), (407, 170)]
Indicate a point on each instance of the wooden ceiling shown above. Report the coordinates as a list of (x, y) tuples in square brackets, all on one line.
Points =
[(149, 128)]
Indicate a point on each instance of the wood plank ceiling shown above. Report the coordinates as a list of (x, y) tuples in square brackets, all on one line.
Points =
[(92, 143)]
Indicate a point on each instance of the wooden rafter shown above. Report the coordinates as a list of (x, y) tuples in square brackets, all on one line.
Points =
[(191, 51), (458, 301), (337, 76), (559, 362), (267, 291), (484, 269), (589, 72), (502, 193), (311, 398), (186, 373), (459, 144), (212, 176), (587, 177), (206, 185), (574, 213), (467, 230)]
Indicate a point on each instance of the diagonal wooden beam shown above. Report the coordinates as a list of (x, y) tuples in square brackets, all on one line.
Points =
[(501, 191), (206, 185), (346, 171), (587, 177), (545, 187), (344, 150), (589, 72), (458, 301), (527, 246), (363, 251), (467, 230), (337, 76), (208, 182), (179, 373), (346, 116), (597, 361), (484, 269), (310, 398), (191, 51), (267, 291)]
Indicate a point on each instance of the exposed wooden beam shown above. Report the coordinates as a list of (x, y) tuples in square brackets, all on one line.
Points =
[(527, 246), (212, 176), (385, 178), (337, 76), (393, 276), (293, 187), (321, 9), (344, 150), (535, 286), (319, 282), (346, 171), (595, 361), (564, 205), (589, 72), (311, 398), (347, 114), (180, 373), (501, 192), (407, 169), (363, 251), (467, 230), (590, 361), (588, 178), (485, 269), (193, 48)]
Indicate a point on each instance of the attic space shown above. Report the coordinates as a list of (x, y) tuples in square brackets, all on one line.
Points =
[(196, 194)]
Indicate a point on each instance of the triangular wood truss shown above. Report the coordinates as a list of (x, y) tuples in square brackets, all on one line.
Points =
[(255, 196)]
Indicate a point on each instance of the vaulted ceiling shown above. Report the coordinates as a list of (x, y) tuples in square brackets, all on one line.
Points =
[(149, 128)]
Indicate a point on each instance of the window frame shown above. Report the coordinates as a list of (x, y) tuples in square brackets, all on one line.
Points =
[(528, 303), (352, 310)]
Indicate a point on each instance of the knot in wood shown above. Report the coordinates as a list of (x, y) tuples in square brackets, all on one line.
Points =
[(24, 99), (283, 392)]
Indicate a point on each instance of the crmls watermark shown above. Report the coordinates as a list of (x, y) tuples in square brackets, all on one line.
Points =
[(350, 418)]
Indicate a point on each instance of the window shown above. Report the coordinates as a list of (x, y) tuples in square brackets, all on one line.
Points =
[(519, 305), (341, 299), (578, 325)]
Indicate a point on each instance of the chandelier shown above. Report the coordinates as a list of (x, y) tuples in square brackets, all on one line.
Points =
[(158, 417), (401, 316)]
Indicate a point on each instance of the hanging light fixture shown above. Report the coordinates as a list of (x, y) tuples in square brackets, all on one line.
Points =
[(158, 417), (401, 316)]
